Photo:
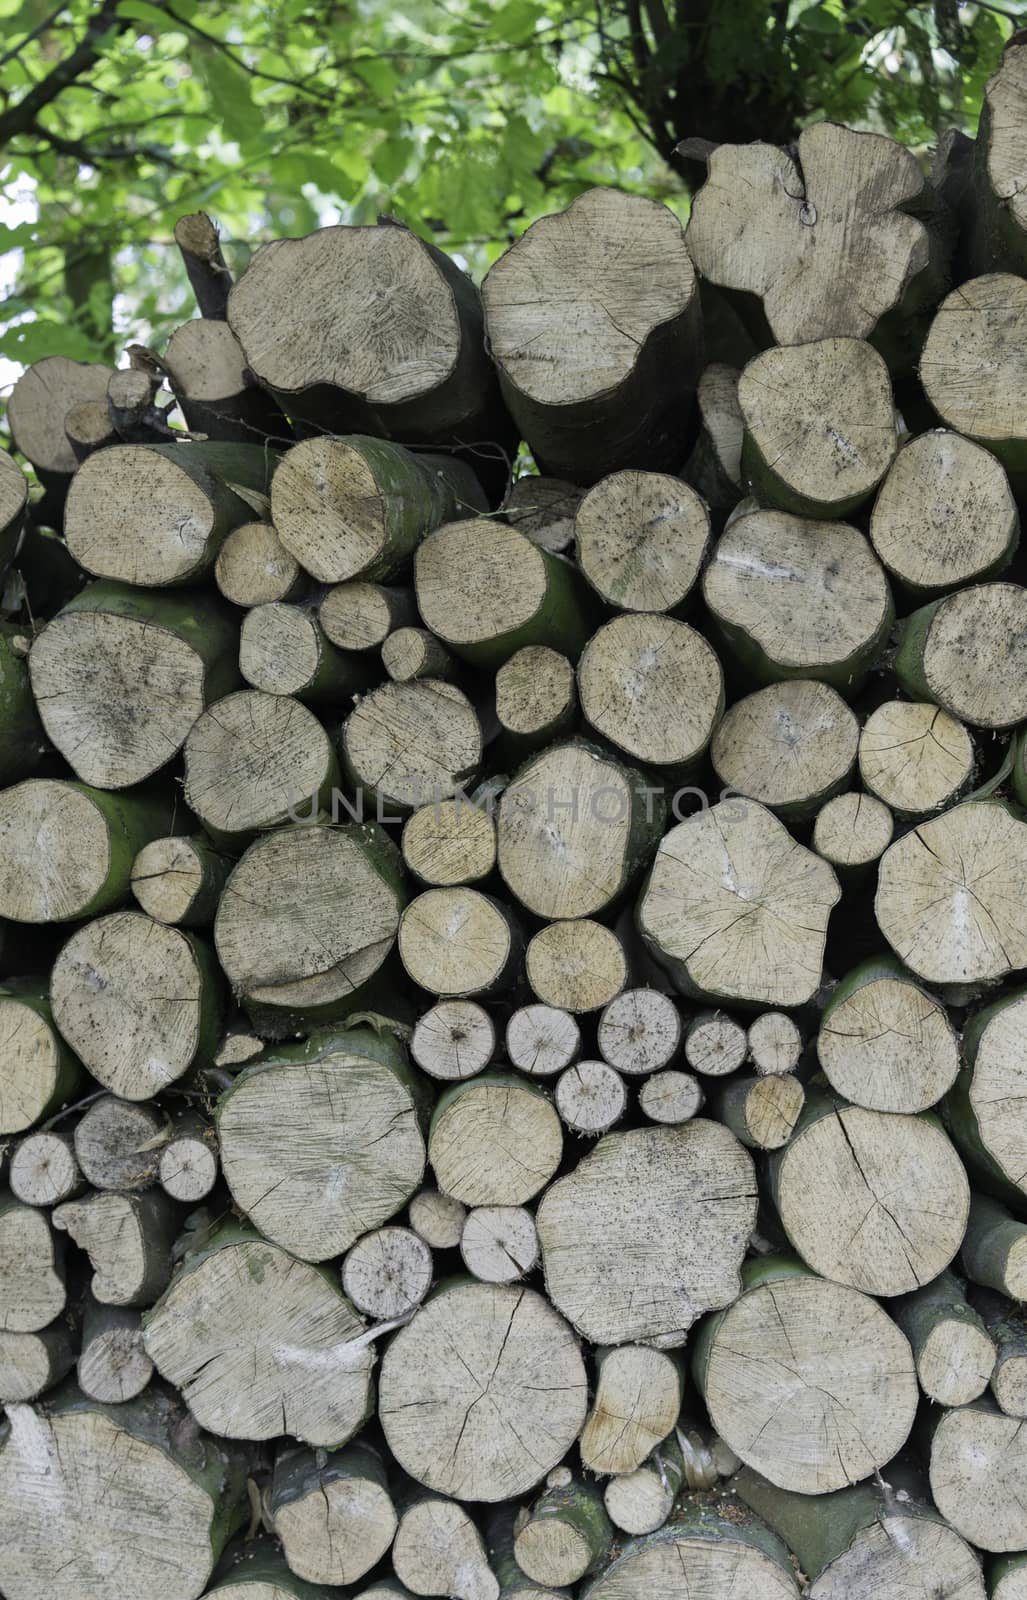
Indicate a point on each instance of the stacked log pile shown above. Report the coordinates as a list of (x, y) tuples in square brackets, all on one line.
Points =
[(513, 1044)]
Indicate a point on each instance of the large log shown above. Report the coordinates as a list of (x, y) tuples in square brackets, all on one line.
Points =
[(37, 1070), (885, 1043), (971, 364)]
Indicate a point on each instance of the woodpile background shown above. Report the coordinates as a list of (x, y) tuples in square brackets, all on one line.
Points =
[(513, 1052)]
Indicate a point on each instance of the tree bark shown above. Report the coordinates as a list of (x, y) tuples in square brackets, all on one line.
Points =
[(544, 509), (200, 247), (38, 1072)]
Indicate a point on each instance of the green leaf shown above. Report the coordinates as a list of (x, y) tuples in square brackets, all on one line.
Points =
[(230, 93), (391, 158)]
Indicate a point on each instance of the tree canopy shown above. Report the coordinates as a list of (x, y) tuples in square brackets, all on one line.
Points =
[(464, 118)]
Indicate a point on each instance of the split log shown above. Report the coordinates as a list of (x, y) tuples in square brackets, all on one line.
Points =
[(639, 1031), (157, 514), (38, 404), (592, 319), (566, 1535), (253, 760), (437, 1218), (38, 1072), (736, 909), (823, 236), (412, 744), (120, 675), (459, 942), (671, 1097), (715, 464), (541, 1040), (178, 879), (915, 757), (31, 1268), (760, 1111), (977, 1462), (113, 1366), (494, 1141), (954, 1353), (333, 1513), (637, 1403), (238, 1046), (67, 849), (574, 829), (952, 895), (430, 382), (897, 1177), (536, 699), (253, 567), (415, 653), (320, 1141), (43, 1171), (852, 831), (447, 842), (128, 1239), (688, 1192), (944, 515), (819, 425), (486, 591), (160, 1520), (791, 746), (454, 1039), (775, 1043), (360, 616), (499, 1244), (31, 1363), (653, 687), (287, 953), (283, 650), (994, 1252), (798, 599), (137, 1001), (207, 371), (590, 1097), (641, 540), (885, 1043), (439, 1551), (261, 1345), (809, 1382), (716, 1544), (387, 1273), (517, 1355), (715, 1044), (967, 653), (577, 965), (544, 509), (118, 1143), (970, 365), (188, 1168)]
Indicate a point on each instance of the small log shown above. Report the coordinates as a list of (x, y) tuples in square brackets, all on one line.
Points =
[(1008, 1332), (255, 1569), (829, 619), (994, 1250), (412, 744), (984, 1109), (454, 1039), (188, 1168), (200, 247), (23, 744), (31, 1268), (113, 1366), (260, 1344), (536, 699), (775, 1043), (118, 1143), (132, 404), (953, 1350), (717, 1544), (448, 842), (977, 1461), (128, 1239), (715, 1044), (38, 404), (641, 1501), (38, 1072), (970, 365), (639, 1031), (852, 831), (506, 1337), (671, 1097), (66, 849), (641, 540), (253, 567), (207, 371), (160, 1520), (494, 1141), (544, 510), (727, 885), (653, 687), (590, 1097), (541, 1040), (566, 1535), (791, 746), (178, 879), (287, 953), (689, 1192), (120, 676), (982, 685), (513, 1583), (437, 1218), (88, 427), (809, 1382), (387, 1273), (592, 319), (360, 616), (714, 467), (333, 1512), (137, 1001), (439, 1551), (283, 650), (577, 965), (415, 653), (574, 829), (315, 1199), (760, 1111), (637, 1403), (43, 1171), (898, 1174), (915, 757), (14, 499), (975, 854), (486, 591), (499, 1244), (30, 1363), (885, 1043), (238, 1046), (459, 942)]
